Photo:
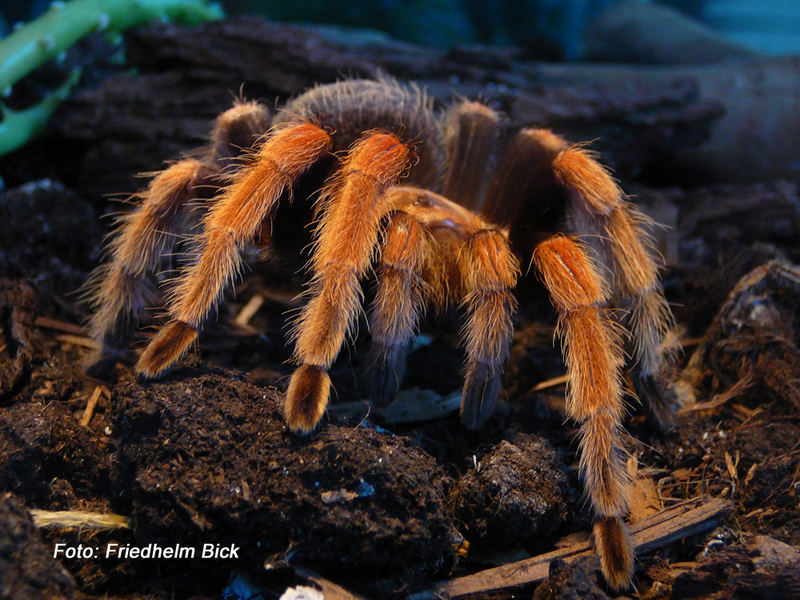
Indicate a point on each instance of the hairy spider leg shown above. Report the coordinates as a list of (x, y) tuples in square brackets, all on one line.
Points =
[(398, 304), (353, 207), (436, 251), (593, 355), (234, 220), (471, 130), (490, 271), (599, 212), (123, 289)]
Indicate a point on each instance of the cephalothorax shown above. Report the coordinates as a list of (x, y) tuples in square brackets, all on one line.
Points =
[(445, 206)]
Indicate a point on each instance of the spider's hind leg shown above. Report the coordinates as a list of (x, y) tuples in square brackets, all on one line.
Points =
[(594, 359), (616, 228)]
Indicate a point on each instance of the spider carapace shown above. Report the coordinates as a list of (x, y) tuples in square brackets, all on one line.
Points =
[(444, 207)]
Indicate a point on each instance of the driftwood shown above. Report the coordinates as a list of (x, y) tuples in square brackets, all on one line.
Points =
[(682, 520), (658, 123)]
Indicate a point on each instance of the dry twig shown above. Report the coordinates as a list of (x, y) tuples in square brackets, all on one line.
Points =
[(719, 399), (48, 323), (78, 340), (90, 406), (548, 383), (249, 309)]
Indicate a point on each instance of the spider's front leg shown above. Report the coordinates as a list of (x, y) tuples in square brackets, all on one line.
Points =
[(346, 240), (235, 219), (123, 289), (436, 251), (593, 355)]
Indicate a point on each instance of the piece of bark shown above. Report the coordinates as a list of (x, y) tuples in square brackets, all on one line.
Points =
[(738, 214), (17, 313), (685, 519), (735, 121), (649, 33), (753, 337), (184, 77), (758, 567), (708, 239)]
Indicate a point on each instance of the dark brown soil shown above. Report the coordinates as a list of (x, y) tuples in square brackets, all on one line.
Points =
[(206, 458), (52, 239), (27, 568), (46, 456), (17, 311), (515, 493), (577, 581)]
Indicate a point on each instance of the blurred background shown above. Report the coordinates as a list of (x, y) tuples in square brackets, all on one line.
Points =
[(552, 29)]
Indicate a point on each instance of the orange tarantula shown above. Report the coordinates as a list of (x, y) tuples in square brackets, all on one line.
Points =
[(446, 206)]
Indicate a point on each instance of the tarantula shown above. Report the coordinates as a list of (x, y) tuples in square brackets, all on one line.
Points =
[(446, 206)]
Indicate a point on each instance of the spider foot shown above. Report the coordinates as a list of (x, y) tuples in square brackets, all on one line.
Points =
[(660, 399), (613, 545), (165, 349), (386, 373), (479, 398), (306, 398)]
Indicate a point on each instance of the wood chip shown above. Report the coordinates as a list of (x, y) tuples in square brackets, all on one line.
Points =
[(90, 406), (549, 383), (78, 341), (338, 496), (689, 342), (57, 325), (734, 391), (249, 309)]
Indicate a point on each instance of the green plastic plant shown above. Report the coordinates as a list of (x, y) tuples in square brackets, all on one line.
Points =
[(60, 27)]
